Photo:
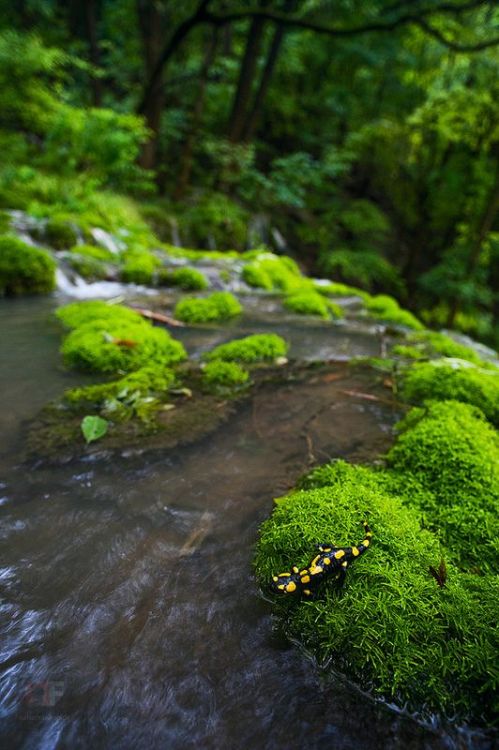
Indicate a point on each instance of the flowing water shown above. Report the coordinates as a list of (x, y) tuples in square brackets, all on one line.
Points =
[(129, 615)]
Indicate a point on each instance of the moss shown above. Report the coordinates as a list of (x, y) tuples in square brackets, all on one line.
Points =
[(24, 269), (224, 375), (59, 233), (110, 338), (308, 302), (272, 272), (408, 351), (139, 267), (216, 307), (386, 308), (189, 279), (79, 313), (133, 396), (391, 627), (454, 379), (433, 342), (341, 290), (449, 455), (89, 268), (194, 255), (94, 252), (251, 349)]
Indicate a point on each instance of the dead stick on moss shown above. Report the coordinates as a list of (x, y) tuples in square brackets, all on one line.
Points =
[(158, 317)]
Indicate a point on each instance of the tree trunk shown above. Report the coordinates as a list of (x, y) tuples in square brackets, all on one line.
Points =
[(186, 157), (245, 81)]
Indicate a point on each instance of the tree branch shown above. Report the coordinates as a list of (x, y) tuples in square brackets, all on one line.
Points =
[(455, 46)]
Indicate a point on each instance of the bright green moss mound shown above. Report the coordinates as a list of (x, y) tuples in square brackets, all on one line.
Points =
[(189, 279), (311, 303), (272, 272), (24, 269), (89, 268), (430, 343), (224, 375), (216, 307), (446, 463), (94, 252), (337, 289), (256, 348), (59, 234), (139, 267), (388, 309), (134, 395), (454, 379), (79, 313), (110, 338), (391, 627)]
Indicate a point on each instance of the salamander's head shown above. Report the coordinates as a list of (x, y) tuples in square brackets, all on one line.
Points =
[(287, 583)]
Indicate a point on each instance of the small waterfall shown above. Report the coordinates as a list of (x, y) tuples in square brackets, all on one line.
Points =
[(73, 285)]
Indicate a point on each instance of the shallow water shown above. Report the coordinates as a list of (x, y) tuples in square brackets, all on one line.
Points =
[(129, 615)]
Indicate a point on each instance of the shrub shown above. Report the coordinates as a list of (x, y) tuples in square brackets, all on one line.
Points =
[(391, 626), (454, 379), (189, 279), (386, 308), (110, 338), (24, 269), (218, 306), (225, 375), (310, 303), (255, 348)]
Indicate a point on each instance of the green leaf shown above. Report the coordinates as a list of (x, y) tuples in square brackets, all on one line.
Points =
[(93, 428)]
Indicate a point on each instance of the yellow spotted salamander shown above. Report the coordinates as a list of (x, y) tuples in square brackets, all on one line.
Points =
[(331, 562)]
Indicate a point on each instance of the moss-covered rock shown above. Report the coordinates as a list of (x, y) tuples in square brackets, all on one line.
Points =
[(110, 338), (250, 349), (446, 463), (308, 302), (139, 267), (224, 375), (89, 268), (94, 252), (24, 269), (432, 343), (388, 309), (217, 307), (60, 233), (189, 279), (391, 627), (455, 379), (272, 272)]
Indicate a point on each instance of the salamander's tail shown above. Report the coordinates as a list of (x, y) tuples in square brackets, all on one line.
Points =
[(360, 548)]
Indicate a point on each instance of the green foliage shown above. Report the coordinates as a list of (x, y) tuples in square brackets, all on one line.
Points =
[(308, 302), (255, 348), (133, 396), (189, 279), (224, 375), (453, 454), (387, 309), (453, 379), (272, 272), (365, 268), (139, 267), (391, 626), (24, 269), (94, 252), (118, 340), (217, 307), (215, 220), (93, 428)]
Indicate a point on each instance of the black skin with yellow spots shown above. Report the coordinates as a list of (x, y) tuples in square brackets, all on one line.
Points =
[(330, 562)]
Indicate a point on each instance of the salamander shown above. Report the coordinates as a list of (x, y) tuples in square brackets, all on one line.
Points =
[(330, 562)]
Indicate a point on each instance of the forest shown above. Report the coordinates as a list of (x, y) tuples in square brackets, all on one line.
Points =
[(249, 313)]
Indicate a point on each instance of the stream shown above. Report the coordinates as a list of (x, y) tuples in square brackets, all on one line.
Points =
[(129, 616)]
